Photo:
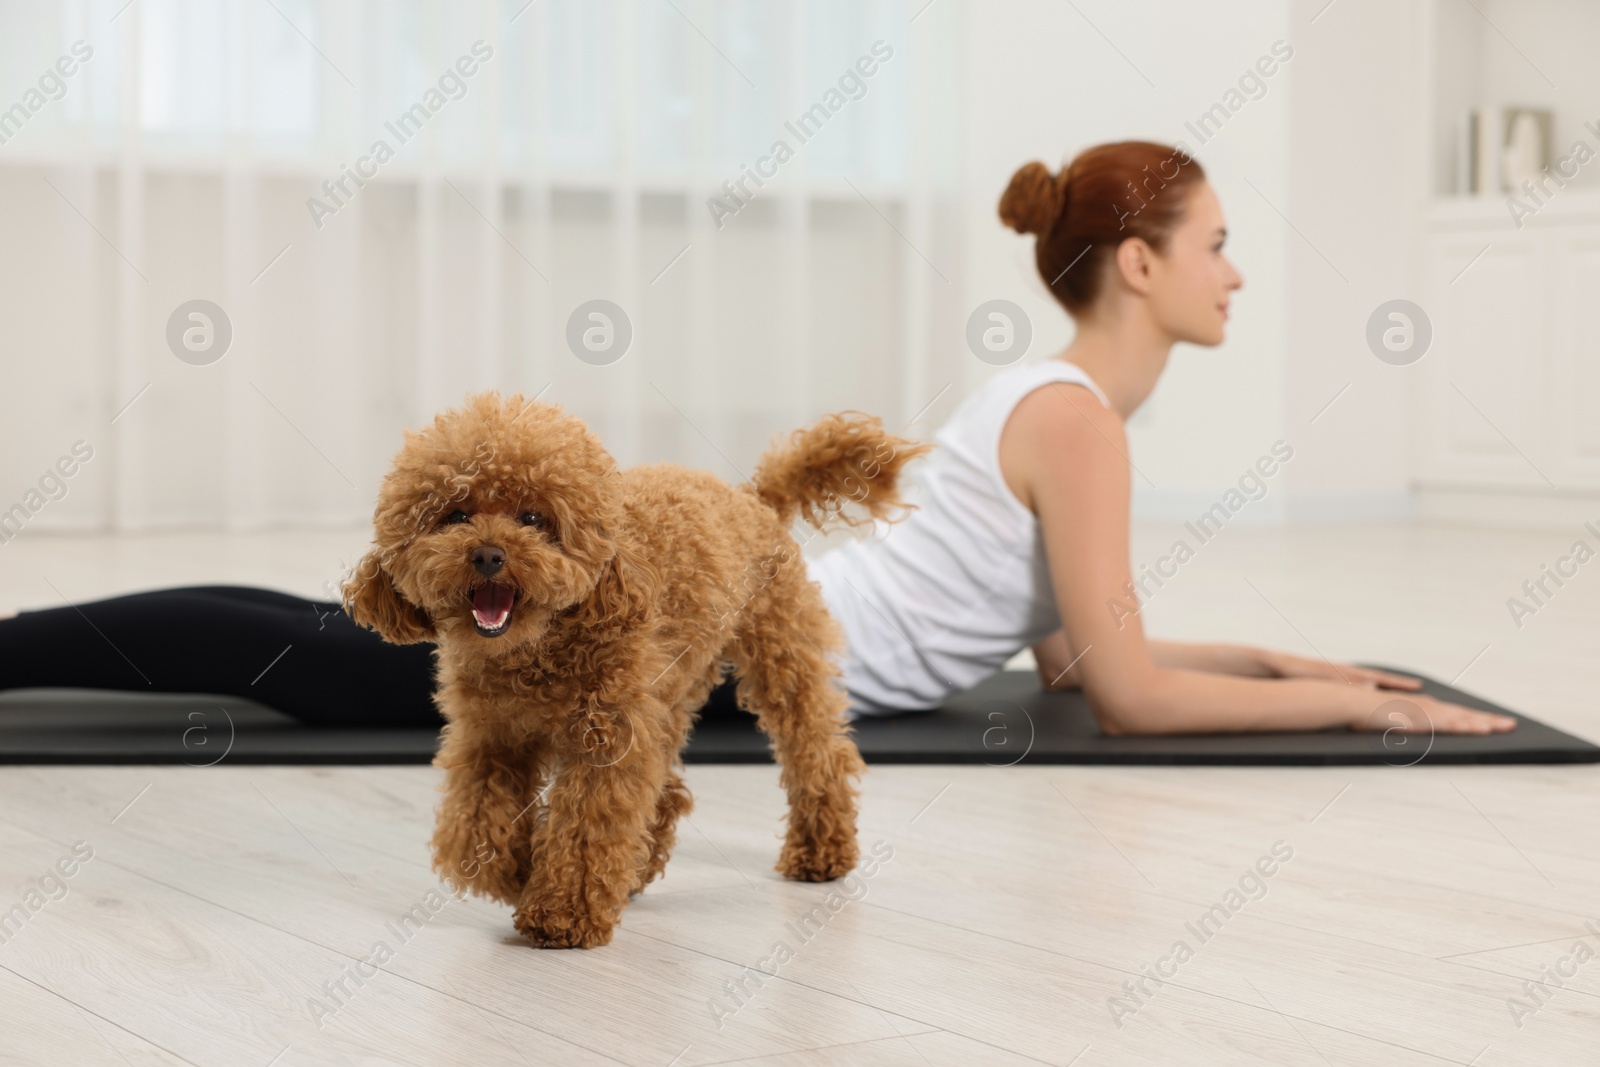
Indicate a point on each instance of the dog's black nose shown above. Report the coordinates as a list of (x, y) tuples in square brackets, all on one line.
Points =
[(487, 560)]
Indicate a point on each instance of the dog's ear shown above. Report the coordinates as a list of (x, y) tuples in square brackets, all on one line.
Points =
[(626, 590), (372, 601)]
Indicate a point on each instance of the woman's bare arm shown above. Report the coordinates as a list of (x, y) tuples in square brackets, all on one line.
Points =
[(1076, 472), (1057, 671)]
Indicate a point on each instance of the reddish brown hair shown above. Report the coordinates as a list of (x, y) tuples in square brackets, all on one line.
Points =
[(1107, 194)]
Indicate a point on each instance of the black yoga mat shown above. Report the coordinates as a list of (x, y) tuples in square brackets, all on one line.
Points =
[(1003, 721)]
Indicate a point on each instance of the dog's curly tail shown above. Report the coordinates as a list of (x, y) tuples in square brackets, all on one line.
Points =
[(840, 460)]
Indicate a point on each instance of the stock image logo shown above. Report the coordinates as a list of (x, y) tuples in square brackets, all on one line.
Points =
[(199, 332), (599, 332), (1007, 734), (1399, 332), (605, 740), (198, 740), (1403, 744), (999, 332)]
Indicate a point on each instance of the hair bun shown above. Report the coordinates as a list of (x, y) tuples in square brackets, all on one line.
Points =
[(1032, 202)]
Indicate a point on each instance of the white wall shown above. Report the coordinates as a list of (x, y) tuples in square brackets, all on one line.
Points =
[(1357, 182)]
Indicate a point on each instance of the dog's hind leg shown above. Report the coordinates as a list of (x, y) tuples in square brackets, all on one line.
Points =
[(786, 676)]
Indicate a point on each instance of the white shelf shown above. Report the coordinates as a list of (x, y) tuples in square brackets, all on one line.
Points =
[(1566, 207)]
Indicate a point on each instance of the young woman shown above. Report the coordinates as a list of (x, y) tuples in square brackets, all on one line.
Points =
[(1020, 538)]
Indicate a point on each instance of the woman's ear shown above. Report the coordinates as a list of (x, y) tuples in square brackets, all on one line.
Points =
[(372, 601), (1133, 263), (626, 590)]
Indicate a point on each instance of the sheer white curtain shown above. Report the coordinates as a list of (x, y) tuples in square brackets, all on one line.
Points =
[(396, 203)]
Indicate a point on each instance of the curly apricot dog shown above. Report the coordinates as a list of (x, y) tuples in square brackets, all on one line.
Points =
[(582, 616)]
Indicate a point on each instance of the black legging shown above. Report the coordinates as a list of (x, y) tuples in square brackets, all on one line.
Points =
[(304, 658)]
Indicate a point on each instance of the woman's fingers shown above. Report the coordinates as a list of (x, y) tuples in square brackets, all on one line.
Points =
[(1469, 721), (1382, 679), (1423, 714), (1287, 666)]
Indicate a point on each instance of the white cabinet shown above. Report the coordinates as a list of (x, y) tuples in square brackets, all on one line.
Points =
[(1508, 395), (1575, 357)]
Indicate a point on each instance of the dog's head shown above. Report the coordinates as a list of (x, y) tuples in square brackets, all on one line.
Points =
[(501, 519)]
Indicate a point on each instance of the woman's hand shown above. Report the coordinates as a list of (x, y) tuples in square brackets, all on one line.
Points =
[(1286, 665), (1419, 714)]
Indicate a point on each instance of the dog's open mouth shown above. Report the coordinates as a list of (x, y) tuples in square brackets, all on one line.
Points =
[(491, 608)]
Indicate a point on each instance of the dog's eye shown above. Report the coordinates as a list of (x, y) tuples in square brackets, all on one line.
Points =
[(456, 516), (533, 518)]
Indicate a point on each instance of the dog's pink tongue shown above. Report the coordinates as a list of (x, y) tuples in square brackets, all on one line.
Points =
[(491, 604)]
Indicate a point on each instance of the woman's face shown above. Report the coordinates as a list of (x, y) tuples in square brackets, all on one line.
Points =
[(1191, 281)]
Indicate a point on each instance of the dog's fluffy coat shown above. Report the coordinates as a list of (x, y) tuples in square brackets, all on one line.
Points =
[(631, 594)]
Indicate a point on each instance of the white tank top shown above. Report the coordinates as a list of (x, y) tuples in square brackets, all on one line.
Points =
[(937, 602)]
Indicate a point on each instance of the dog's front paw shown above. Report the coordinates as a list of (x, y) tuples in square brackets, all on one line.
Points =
[(564, 927), (818, 861), (478, 868)]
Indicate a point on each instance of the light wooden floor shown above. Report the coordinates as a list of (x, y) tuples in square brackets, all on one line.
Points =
[(1015, 906)]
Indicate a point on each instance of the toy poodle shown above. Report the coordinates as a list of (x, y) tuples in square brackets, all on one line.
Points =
[(583, 614)]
